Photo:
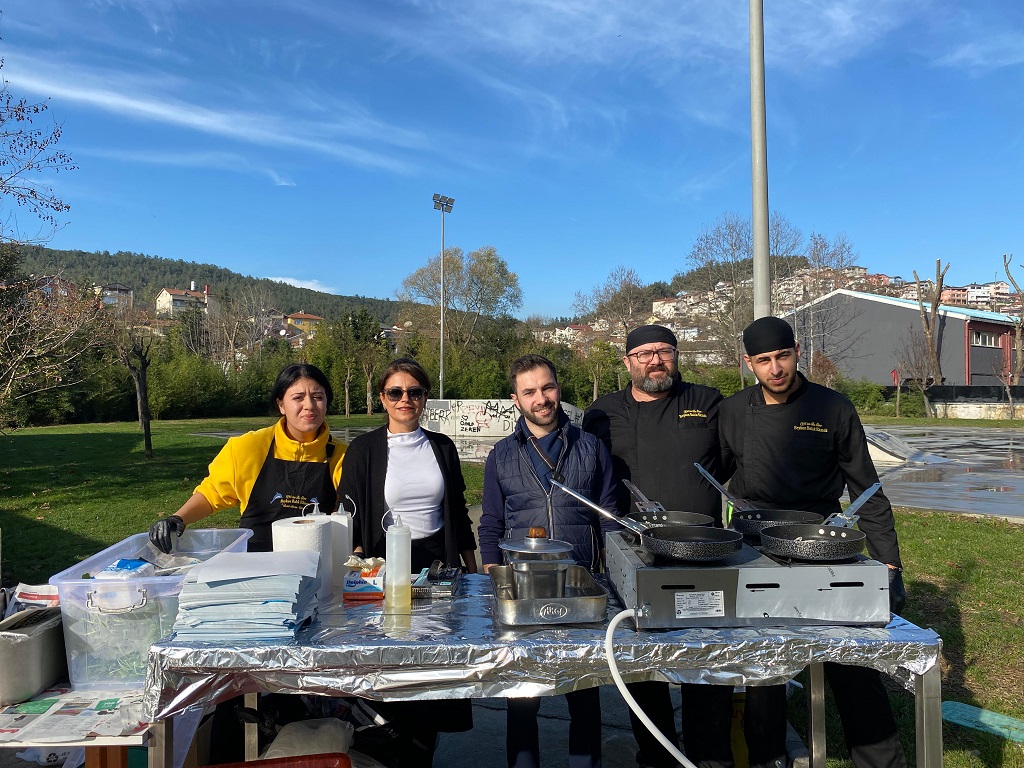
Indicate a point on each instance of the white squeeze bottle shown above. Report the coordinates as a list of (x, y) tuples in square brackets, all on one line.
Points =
[(398, 569)]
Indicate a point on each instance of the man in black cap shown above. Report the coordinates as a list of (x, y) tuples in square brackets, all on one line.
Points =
[(792, 444), (656, 428)]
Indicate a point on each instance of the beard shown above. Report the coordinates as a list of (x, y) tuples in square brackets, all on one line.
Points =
[(785, 388), (642, 379), (543, 421)]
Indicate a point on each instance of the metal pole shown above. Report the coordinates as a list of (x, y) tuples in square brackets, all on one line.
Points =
[(759, 162), (440, 385)]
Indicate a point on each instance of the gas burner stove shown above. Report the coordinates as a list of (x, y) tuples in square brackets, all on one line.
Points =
[(748, 589)]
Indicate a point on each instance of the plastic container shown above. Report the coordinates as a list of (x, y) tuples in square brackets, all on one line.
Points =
[(109, 625), (398, 567)]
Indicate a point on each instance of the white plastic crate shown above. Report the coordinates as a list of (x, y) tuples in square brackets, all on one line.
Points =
[(109, 625)]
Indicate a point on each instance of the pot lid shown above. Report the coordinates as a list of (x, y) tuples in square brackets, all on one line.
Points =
[(536, 542)]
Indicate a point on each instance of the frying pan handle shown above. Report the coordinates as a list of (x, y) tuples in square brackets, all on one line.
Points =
[(737, 503), (849, 516), (642, 502), (632, 525)]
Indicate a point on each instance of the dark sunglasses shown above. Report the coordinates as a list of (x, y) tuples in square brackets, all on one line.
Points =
[(394, 394)]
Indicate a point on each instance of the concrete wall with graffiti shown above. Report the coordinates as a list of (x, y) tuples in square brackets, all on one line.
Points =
[(479, 418)]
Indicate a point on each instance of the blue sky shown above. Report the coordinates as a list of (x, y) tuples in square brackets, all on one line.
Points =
[(304, 140)]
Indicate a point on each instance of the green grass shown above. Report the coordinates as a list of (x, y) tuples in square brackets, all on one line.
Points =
[(68, 492), (920, 421)]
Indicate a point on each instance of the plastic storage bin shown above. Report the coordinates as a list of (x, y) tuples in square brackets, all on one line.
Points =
[(109, 625)]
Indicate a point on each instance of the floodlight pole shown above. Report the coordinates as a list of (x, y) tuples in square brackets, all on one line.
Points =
[(444, 205), (759, 163)]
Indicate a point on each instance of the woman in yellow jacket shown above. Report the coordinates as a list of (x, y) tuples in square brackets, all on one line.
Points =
[(271, 473)]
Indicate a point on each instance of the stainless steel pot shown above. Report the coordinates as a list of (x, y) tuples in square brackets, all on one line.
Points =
[(539, 579)]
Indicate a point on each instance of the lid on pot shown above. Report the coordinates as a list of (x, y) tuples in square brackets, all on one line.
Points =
[(535, 543)]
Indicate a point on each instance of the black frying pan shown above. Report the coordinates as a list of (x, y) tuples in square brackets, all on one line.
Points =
[(687, 543), (660, 518), (812, 542), (751, 522), (692, 543), (835, 539)]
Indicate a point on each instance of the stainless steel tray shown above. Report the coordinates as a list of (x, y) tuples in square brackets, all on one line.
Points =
[(585, 600)]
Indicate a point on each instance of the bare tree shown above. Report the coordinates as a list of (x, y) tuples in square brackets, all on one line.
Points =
[(930, 320), (42, 322), (46, 326), (1016, 363), (477, 285), (785, 254), (721, 256), (914, 362), (823, 325), (130, 339), (27, 154), (622, 301)]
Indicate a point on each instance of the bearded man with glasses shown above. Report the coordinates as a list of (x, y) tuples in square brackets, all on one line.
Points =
[(655, 429)]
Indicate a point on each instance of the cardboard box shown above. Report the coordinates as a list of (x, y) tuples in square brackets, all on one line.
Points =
[(365, 585)]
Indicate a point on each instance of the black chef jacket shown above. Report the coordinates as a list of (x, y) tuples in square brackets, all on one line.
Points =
[(801, 454), (655, 444)]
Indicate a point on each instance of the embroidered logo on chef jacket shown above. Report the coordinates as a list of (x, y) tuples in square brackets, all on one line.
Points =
[(693, 413), (810, 426)]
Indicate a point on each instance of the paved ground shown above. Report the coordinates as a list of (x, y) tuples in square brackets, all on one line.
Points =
[(984, 474)]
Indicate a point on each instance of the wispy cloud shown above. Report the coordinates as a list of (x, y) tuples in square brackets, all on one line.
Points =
[(313, 285), (994, 52), (225, 161), (132, 97)]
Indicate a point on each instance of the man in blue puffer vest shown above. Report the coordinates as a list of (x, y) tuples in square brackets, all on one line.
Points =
[(518, 495)]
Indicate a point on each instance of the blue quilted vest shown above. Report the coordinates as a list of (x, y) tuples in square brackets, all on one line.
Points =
[(528, 505)]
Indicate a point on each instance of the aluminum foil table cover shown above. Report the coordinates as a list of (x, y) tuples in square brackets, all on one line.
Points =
[(454, 648)]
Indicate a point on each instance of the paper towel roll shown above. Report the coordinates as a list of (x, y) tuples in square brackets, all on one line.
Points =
[(341, 546), (313, 533)]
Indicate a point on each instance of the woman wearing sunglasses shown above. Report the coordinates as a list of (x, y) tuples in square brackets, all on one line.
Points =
[(404, 469)]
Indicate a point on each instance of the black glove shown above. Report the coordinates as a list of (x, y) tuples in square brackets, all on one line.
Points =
[(897, 592), (160, 532)]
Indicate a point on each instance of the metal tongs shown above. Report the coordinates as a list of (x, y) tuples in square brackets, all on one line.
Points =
[(644, 504)]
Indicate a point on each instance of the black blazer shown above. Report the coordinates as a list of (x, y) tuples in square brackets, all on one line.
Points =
[(361, 492)]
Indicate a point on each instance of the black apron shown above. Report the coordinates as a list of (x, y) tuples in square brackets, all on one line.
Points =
[(282, 489)]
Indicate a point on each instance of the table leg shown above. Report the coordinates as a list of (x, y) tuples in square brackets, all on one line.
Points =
[(106, 757), (252, 733), (928, 708), (161, 744), (816, 716)]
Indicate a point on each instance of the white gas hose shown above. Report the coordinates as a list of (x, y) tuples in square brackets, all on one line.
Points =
[(630, 701)]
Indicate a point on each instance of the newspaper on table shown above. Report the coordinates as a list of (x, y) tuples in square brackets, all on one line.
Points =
[(61, 714)]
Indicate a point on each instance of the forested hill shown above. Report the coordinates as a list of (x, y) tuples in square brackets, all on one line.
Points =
[(146, 275)]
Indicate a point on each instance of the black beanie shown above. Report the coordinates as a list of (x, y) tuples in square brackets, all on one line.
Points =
[(647, 334), (768, 334)]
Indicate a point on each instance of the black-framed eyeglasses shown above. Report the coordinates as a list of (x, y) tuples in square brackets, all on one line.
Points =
[(646, 355), (394, 394)]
